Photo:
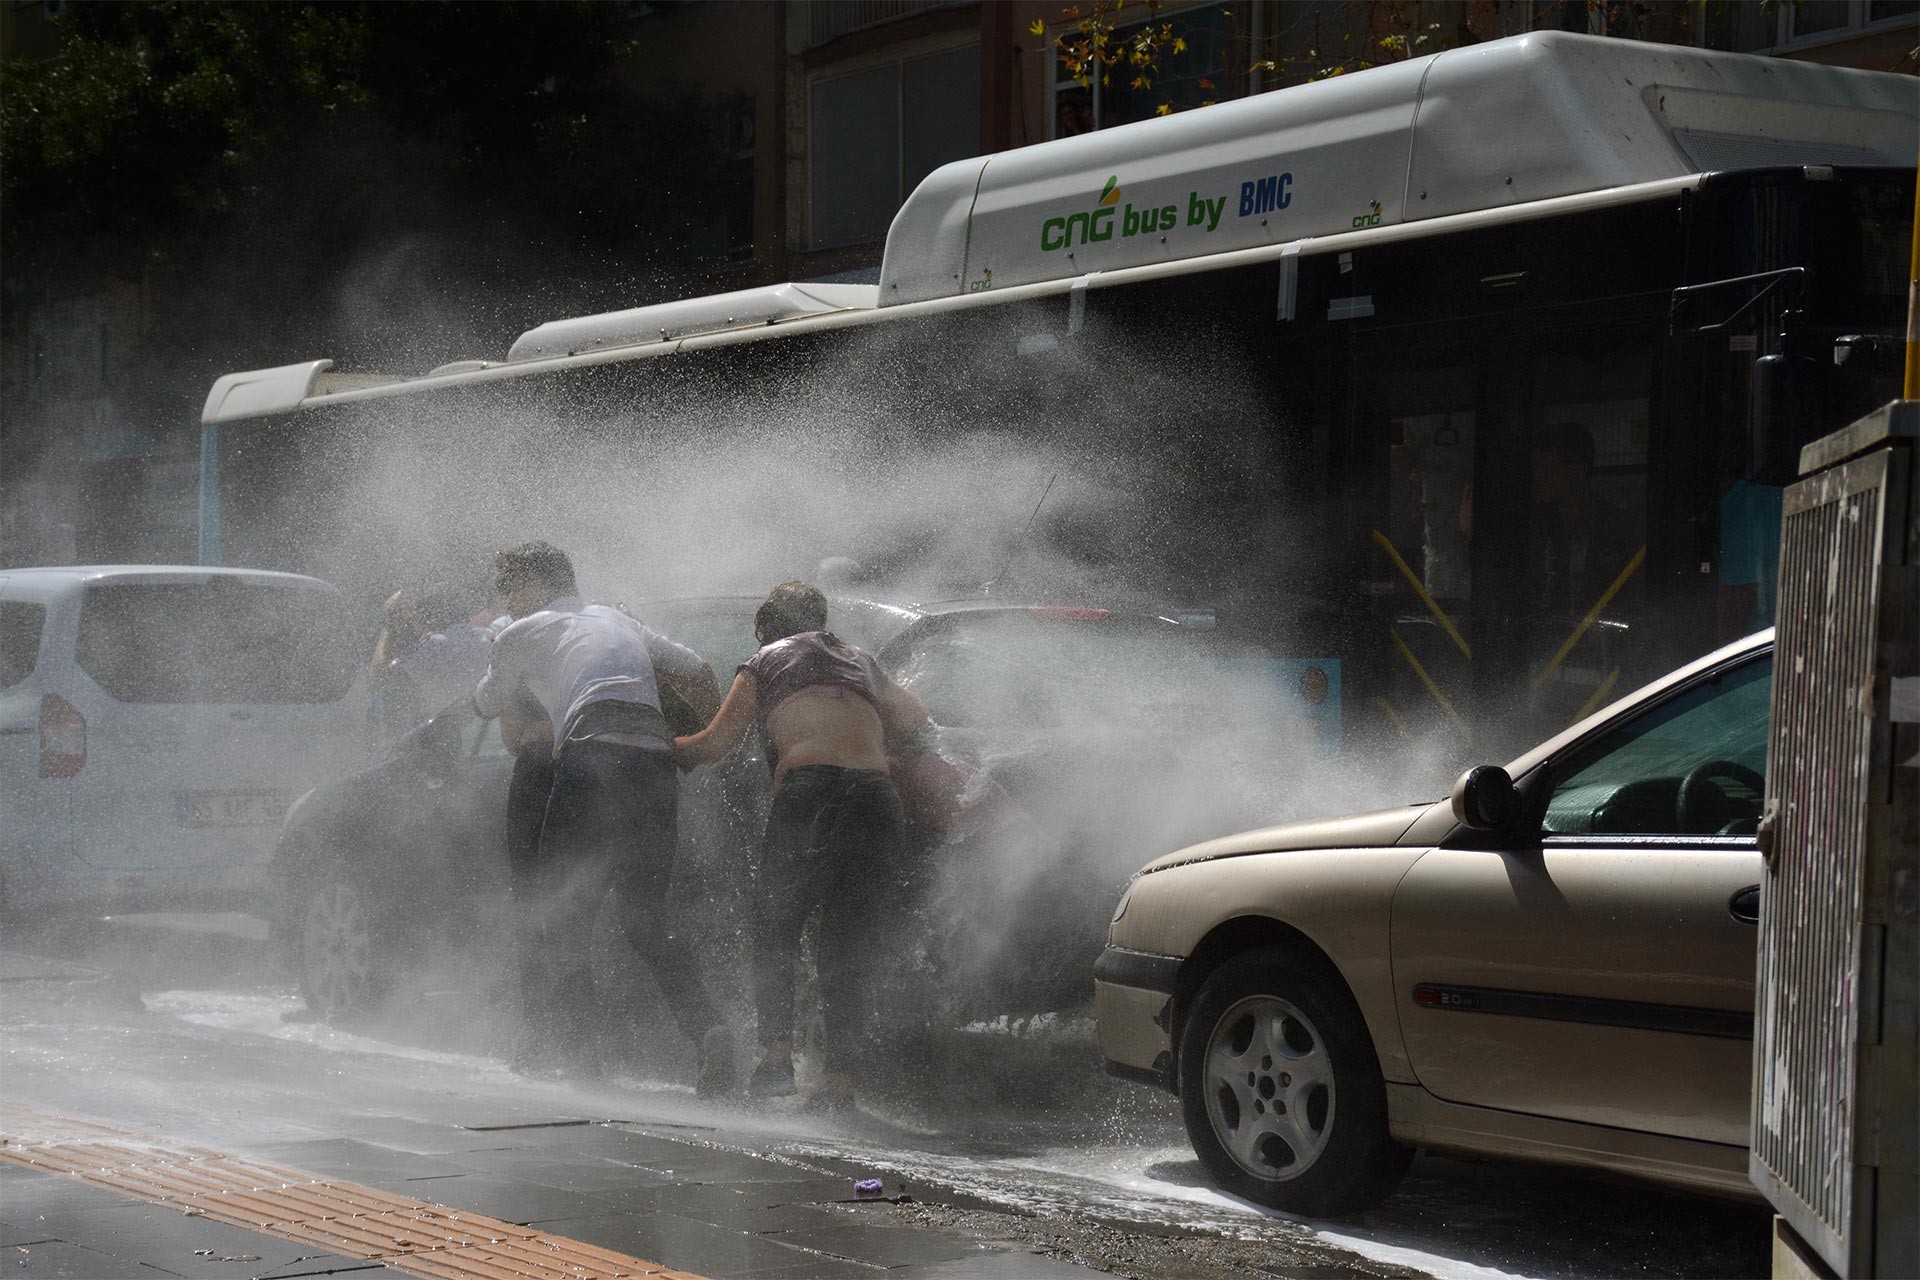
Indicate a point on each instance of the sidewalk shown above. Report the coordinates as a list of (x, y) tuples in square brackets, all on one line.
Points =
[(573, 1198), (432, 1184)]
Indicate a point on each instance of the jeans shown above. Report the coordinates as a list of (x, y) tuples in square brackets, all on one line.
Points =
[(832, 838), (610, 824)]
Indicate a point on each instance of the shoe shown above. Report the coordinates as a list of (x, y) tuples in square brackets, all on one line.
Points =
[(772, 1080), (716, 1063)]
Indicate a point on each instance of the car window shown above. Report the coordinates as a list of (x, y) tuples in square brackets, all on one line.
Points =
[(1035, 671), (20, 625), (223, 640), (721, 631), (1694, 765)]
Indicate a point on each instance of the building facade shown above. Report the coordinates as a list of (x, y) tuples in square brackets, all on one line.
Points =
[(856, 100), (832, 111)]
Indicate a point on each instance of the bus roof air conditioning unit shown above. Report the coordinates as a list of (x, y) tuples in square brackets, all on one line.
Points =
[(1835, 1137), (687, 317), (1465, 132)]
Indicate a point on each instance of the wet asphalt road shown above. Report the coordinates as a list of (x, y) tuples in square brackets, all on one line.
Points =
[(1015, 1147)]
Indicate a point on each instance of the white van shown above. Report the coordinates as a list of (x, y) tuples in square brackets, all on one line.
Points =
[(156, 722)]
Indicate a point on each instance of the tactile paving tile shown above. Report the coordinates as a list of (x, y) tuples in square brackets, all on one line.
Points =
[(412, 1236)]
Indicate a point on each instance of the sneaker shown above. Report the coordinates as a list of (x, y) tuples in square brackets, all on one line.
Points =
[(772, 1080), (716, 1063)]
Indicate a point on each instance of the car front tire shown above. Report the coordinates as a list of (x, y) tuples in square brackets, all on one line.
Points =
[(339, 950), (1281, 1090)]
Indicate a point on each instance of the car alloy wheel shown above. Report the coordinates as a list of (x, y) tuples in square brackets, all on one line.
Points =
[(336, 955), (1269, 1087), (1280, 1087)]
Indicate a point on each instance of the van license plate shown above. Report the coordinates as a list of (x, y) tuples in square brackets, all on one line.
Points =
[(231, 808)]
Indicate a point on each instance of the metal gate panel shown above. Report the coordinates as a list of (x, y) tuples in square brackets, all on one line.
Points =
[(1819, 1082)]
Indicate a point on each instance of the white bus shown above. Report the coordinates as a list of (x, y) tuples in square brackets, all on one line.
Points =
[(1476, 374)]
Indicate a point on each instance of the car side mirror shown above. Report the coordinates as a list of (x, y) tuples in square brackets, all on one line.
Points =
[(1484, 798)]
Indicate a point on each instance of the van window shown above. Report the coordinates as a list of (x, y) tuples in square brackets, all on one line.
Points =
[(20, 625), (226, 640)]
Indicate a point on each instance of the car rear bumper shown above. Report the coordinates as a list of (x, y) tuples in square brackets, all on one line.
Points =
[(67, 884), (1133, 1005)]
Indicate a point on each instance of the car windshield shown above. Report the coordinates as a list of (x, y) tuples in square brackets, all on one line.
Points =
[(1043, 669), (720, 630)]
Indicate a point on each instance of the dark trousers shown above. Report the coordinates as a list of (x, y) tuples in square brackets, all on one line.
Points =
[(527, 875), (609, 824), (832, 838)]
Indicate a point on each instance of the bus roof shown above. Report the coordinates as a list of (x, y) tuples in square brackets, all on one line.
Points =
[(1517, 128), (1484, 127)]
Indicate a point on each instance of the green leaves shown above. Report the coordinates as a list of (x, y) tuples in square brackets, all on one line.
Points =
[(155, 114)]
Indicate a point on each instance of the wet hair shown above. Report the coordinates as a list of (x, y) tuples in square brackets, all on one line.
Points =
[(533, 560), (790, 609), (440, 607)]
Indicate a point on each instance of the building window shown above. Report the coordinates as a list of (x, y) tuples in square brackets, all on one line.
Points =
[(726, 237), (1740, 28), (1200, 73), (876, 132), (1187, 79), (1755, 28)]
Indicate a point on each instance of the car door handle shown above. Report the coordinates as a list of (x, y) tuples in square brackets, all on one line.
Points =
[(1744, 906)]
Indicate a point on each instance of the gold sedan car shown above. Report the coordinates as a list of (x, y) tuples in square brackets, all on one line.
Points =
[(1554, 964)]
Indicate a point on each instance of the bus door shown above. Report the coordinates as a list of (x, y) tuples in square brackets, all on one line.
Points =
[(1580, 569), (1418, 547), (1509, 542)]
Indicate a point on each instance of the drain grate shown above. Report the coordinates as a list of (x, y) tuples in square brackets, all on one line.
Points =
[(412, 1236)]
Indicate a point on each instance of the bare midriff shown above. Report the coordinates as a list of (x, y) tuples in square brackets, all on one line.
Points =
[(826, 725)]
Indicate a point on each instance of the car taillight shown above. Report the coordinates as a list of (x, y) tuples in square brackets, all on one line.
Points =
[(63, 738)]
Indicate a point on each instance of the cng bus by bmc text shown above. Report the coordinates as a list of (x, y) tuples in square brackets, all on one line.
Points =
[(1475, 375)]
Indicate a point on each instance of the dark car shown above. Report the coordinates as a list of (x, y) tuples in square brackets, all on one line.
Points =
[(406, 859), (1076, 741), (1114, 734), (394, 862)]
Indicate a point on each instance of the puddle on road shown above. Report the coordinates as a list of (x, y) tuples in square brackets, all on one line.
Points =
[(1111, 1160), (275, 1016), (1106, 1181)]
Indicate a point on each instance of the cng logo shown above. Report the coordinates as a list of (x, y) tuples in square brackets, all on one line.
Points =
[(1089, 226), (1370, 218)]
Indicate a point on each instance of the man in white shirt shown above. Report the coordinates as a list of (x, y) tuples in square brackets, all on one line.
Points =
[(612, 813)]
